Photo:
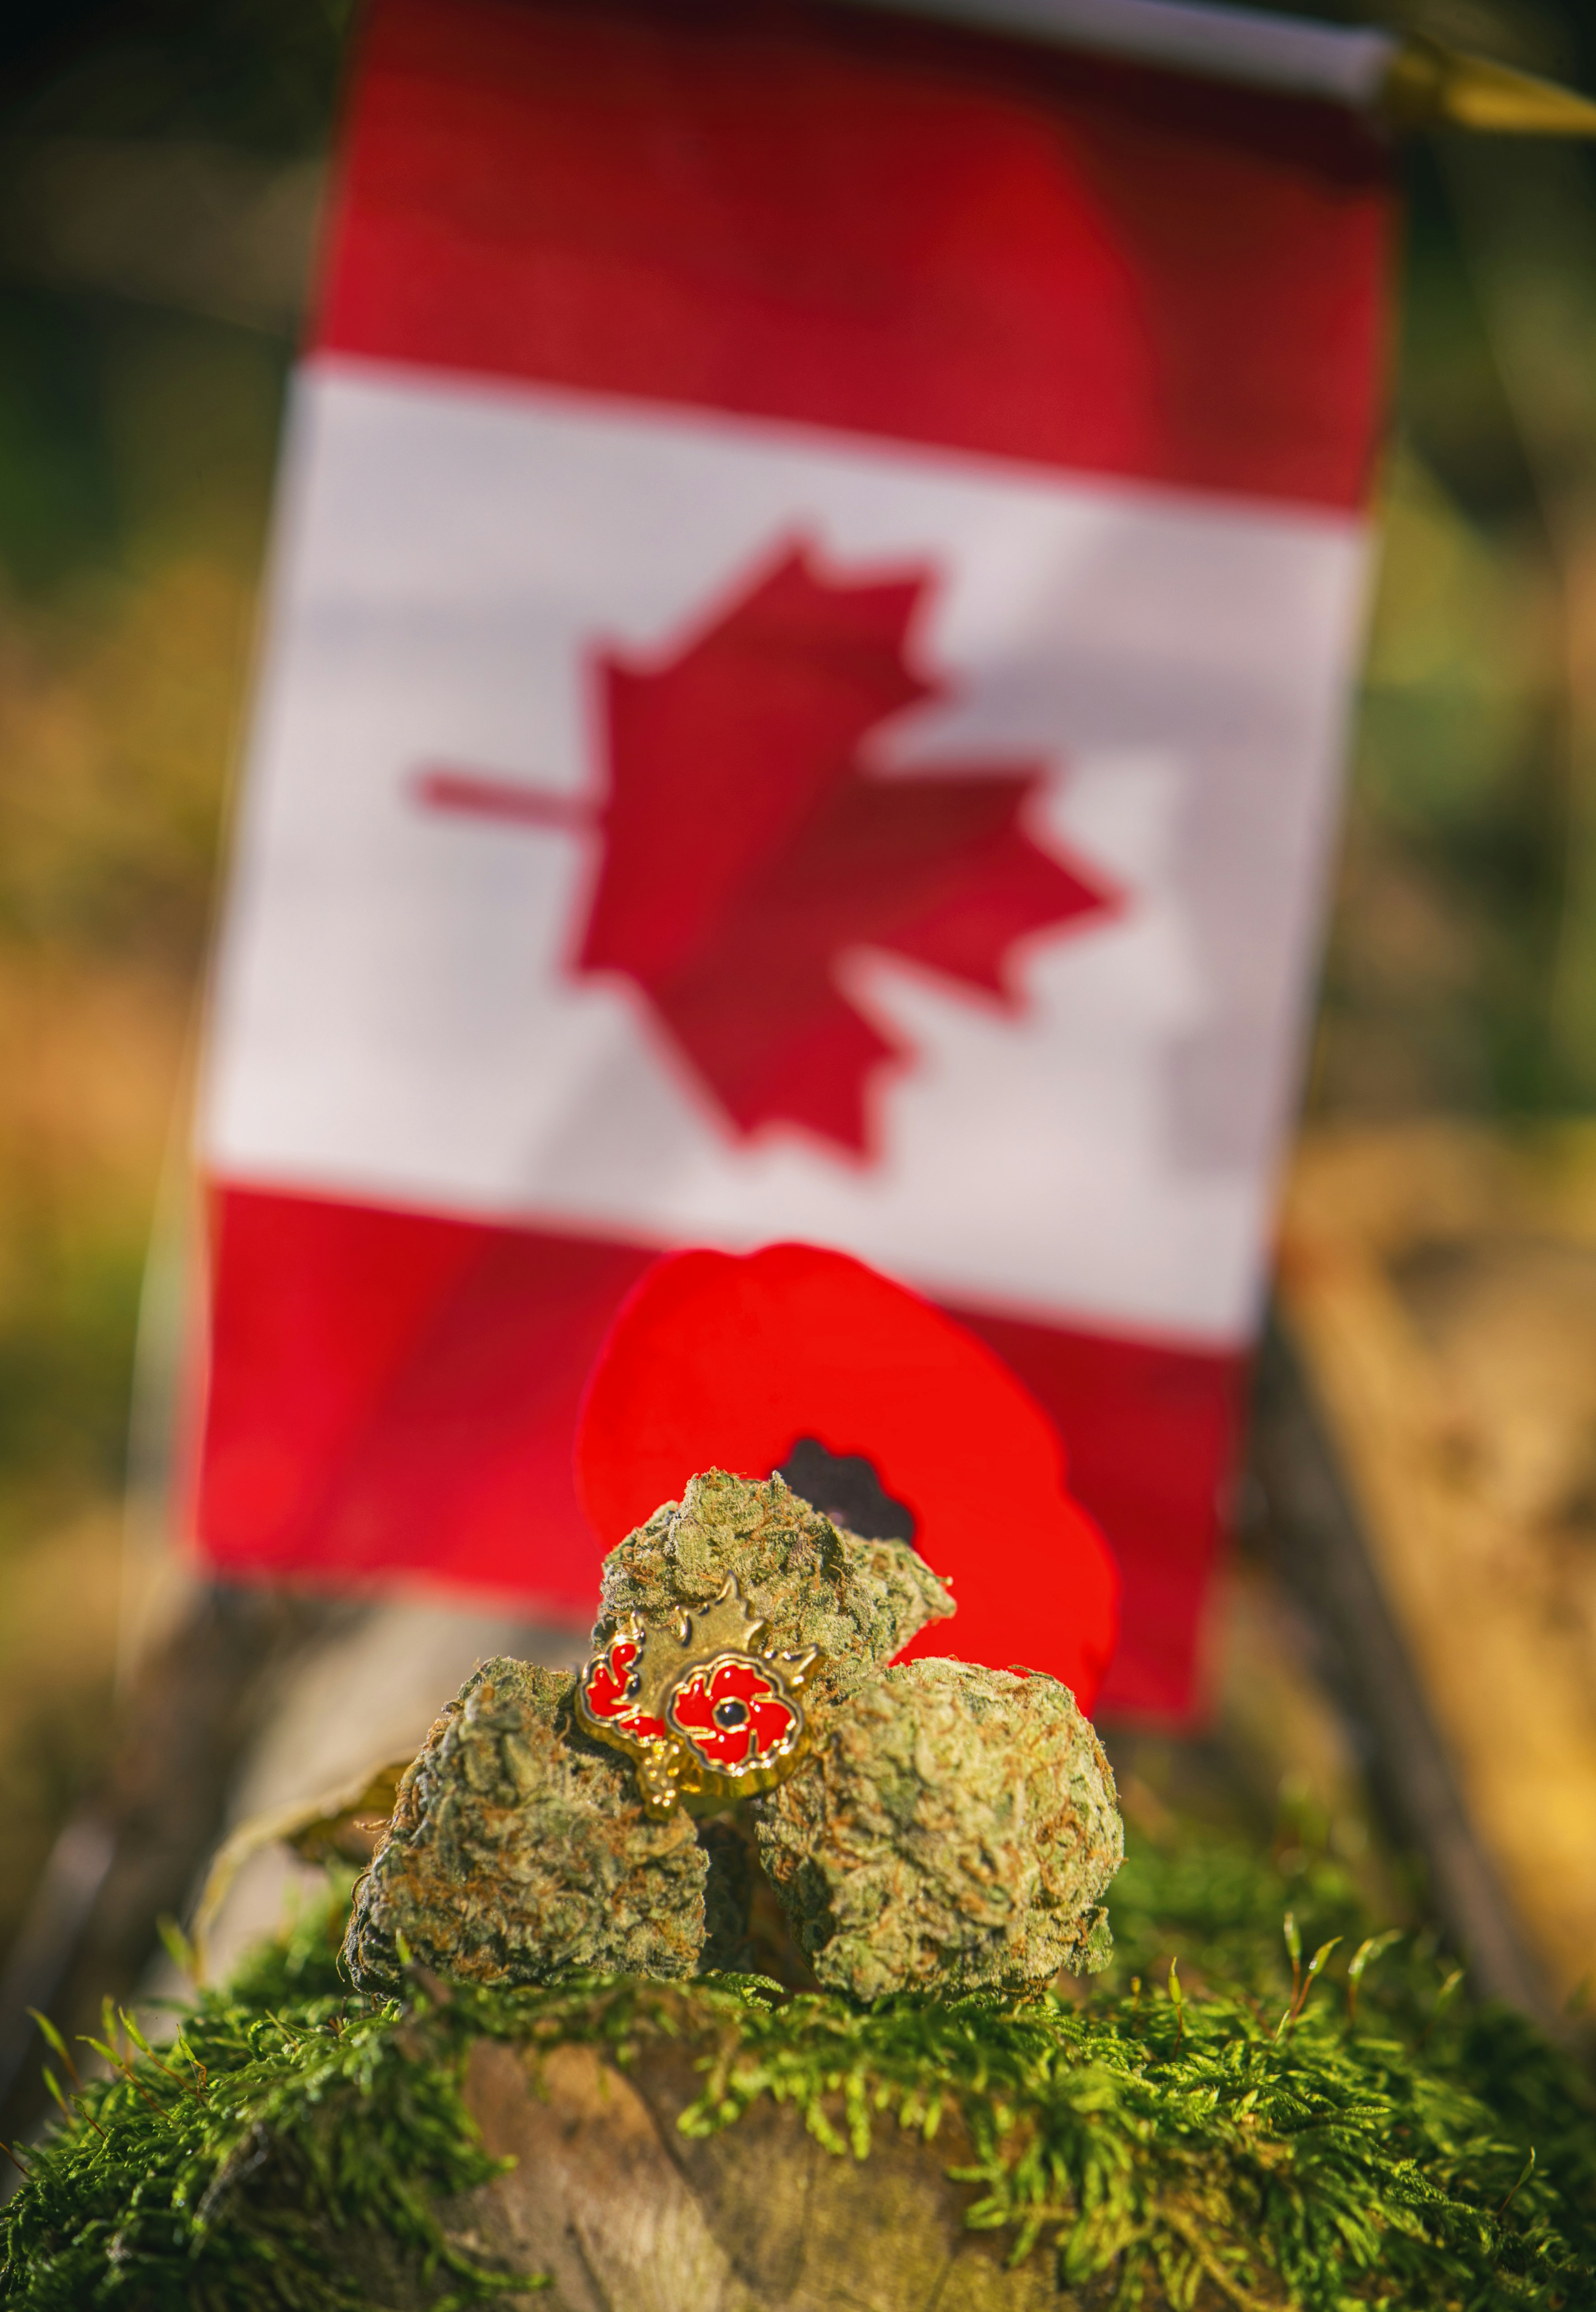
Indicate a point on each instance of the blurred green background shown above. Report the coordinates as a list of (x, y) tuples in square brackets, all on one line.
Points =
[(159, 170), (160, 166)]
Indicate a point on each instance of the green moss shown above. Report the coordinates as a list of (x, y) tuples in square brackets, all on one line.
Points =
[(1192, 2143)]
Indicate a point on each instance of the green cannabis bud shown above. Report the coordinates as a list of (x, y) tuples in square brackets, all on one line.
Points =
[(811, 1582), (520, 1851), (943, 1826), (955, 1827)]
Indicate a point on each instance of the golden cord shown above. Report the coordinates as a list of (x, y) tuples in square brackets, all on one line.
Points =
[(1430, 85)]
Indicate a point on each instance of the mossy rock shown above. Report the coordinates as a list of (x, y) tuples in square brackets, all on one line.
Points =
[(719, 2146)]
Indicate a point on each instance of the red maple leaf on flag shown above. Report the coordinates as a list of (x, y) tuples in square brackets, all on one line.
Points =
[(747, 845)]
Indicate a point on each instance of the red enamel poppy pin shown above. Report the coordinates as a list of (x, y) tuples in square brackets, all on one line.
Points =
[(703, 1706)]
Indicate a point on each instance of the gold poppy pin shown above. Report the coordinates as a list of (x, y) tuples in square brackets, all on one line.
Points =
[(704, 1708)]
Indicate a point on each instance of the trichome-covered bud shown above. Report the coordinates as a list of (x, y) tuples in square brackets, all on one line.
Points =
[(520, 1851), (955, 1826), (811, 1582)]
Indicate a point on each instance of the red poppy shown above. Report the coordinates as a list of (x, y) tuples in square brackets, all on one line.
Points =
[(733, 1713), (610, 1686), (716, 1361)]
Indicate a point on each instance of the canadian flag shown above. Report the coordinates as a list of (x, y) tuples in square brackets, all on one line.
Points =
[(818, 576)]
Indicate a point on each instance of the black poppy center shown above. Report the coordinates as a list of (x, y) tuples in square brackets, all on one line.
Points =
[(730, 1714), (844, 1487)]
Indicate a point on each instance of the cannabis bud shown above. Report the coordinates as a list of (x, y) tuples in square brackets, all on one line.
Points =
[(929, 1823), (953, 1828)]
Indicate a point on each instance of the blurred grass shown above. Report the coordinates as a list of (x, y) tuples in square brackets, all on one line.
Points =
[(138, 433), (137, 447), (1465, 909)]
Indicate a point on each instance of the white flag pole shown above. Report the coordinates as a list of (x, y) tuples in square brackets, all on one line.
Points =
[(1406, 78), (1286, 53)]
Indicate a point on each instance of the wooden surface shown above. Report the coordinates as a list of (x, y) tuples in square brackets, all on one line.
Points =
[(1440, 1287)]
